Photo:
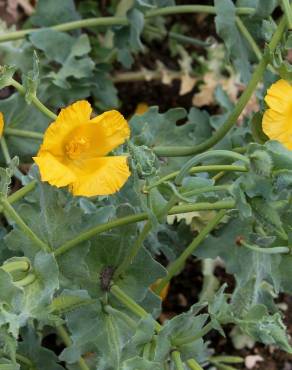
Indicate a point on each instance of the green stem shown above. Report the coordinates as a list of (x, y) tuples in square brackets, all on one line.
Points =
[(26, 361), (123, 316), (199, 169), (206, 189), (122, 297), (176, 36), (193, 9), (257, 75), (193, 365), (10, 212), (287, 10), (23, 133), (16, 266), (184, 208), (120, 21), (273, 250), (175, 266), (67, 341), (226, 359), (134, 250), (245, 32), (19, 194), (177, 360), (7, 157), (146, 351), (5, 151), (142, 236), (30, 278), (39, 105), (207, 155), (193, 338)]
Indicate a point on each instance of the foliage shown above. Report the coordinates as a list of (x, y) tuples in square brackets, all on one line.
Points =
[(86, 269)]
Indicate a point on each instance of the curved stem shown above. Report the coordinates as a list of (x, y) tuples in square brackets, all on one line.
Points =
[(198, 169), (67, 341), (177, 360), (205, 189), (23, 133), (120, 21), (209, 154), (193, 9), (22, 192), (30, 278), (272, 250), (257, 75), (142, 236), (184, 208), (25, 360), (10, 212), (175, 266), (40, 106), (193, 365), (16, 266), (245, 32), (121, 296)]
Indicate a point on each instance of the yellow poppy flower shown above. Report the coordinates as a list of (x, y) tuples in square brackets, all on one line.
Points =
[(1, 124), (277, 120), (74, 151)]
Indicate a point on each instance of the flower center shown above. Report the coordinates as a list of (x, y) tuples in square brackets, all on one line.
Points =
[(76, 147)]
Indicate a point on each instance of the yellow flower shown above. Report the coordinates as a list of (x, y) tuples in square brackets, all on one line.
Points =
[(277, 120), (74, 151), (1, 124)]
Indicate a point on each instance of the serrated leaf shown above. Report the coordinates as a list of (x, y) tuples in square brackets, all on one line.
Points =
[(6, 73), (266, 328)]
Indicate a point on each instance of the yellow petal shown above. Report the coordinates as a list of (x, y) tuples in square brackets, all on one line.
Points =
[(277, 121), (101, 176), (279, 96), (1, 124), (53, 171), (68, 119), (109, 130)]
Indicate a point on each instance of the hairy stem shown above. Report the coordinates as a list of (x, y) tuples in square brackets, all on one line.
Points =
[(13, 266), (142, 236), (193, 365), (23, 133), (120, 21), (39, 105), (198, 169), (272, 250), (13, 215), (121, 296), (176, 265), (22, 192), (184, 208), (177, 360), (245, 32)]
